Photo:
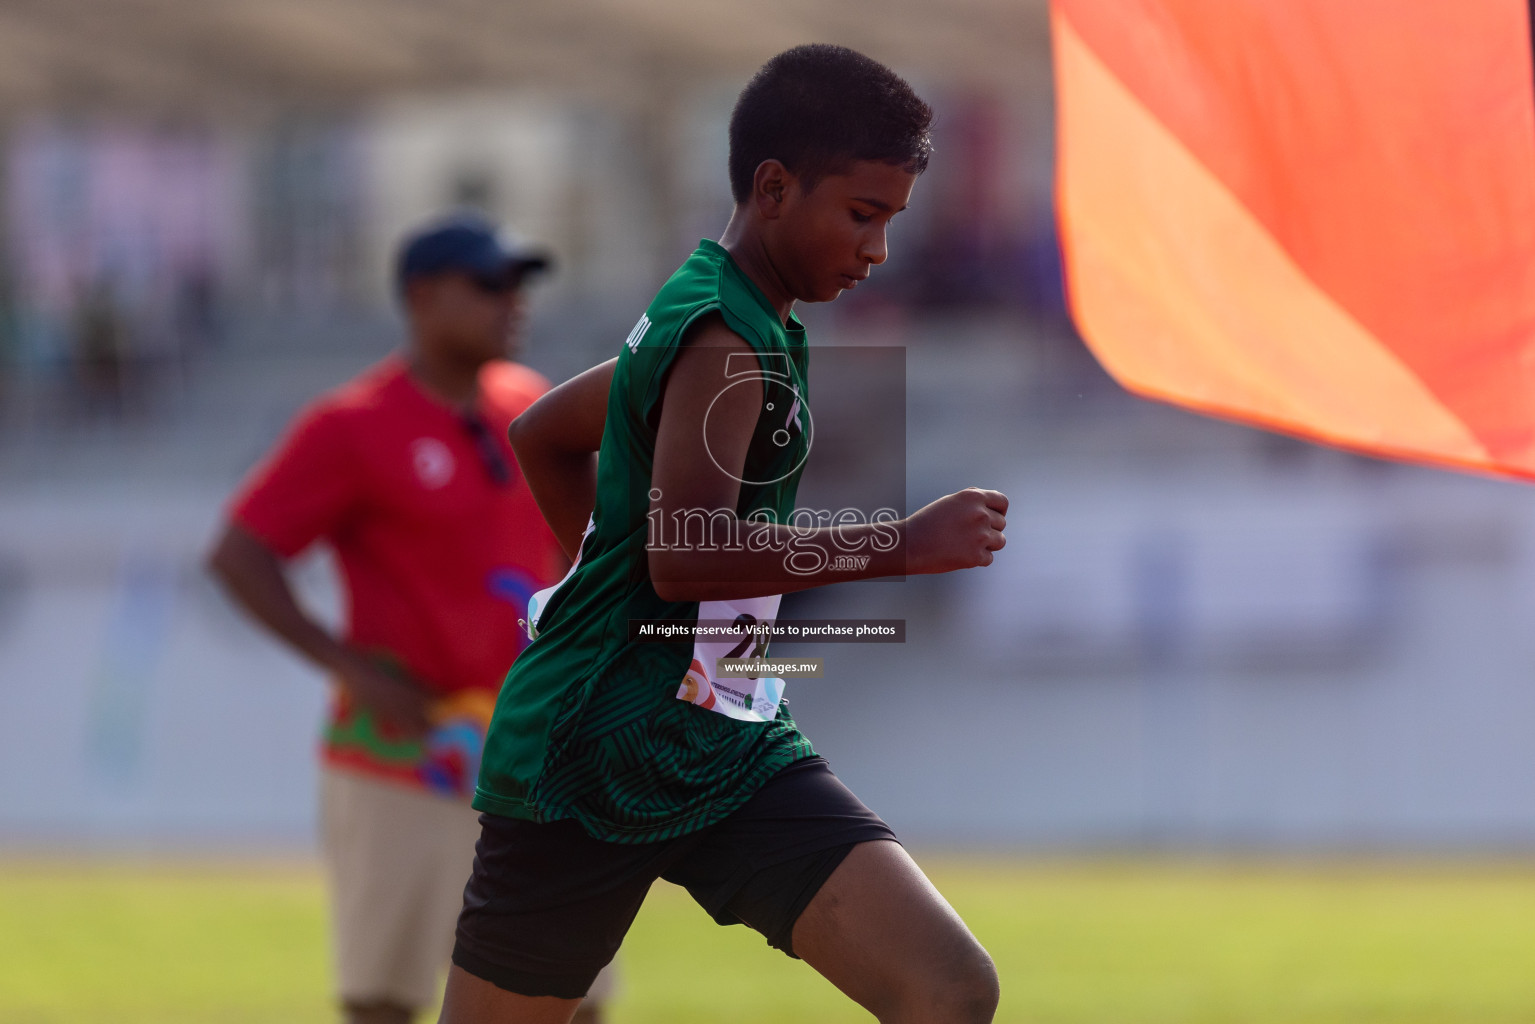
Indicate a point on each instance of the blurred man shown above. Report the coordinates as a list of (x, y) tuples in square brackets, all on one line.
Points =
[(407, 473)]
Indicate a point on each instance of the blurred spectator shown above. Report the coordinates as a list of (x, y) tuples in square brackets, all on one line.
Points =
[(100, 343), (407, 473), (119, 239)]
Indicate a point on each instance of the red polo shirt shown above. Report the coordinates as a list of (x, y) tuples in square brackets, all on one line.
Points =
[(438, 554)]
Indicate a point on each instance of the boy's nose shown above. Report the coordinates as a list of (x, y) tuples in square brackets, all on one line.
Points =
[(874, 249)]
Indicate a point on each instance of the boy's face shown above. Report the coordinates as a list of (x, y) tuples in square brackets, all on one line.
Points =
[(827, 240)]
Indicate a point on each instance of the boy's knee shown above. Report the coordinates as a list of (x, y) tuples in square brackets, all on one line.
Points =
[(963, 990), (971, 992)]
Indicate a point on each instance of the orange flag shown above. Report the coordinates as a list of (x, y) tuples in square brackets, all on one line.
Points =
[(1316, 216)]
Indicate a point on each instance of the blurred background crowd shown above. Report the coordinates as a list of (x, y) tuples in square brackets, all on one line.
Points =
[(1199, 637)]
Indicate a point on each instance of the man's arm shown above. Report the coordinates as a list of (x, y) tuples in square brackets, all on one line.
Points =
[(694, 475), (556, 440), (253, 574)]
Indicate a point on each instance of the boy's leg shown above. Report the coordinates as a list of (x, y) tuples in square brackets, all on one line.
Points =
[(546, 907), (821, 876), (471, 1000), (881, 933)]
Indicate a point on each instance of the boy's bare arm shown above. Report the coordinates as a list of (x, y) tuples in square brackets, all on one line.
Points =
[(695, 475), (556, 440)]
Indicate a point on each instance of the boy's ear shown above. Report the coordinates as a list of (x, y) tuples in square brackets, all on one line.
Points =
[(770, 186)]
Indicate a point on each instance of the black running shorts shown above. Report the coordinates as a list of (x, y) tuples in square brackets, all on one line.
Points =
[(548, 905)]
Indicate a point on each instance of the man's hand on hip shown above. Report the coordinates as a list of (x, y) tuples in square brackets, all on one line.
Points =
[(396, 701)]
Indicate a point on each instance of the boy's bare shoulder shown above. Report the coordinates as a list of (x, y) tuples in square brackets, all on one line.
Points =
[(711, 331)]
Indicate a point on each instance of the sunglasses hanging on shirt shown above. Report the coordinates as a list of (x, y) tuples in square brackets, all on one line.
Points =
[(496, 465)]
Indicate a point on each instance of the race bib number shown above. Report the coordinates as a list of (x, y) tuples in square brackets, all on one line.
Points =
[(747, 699)]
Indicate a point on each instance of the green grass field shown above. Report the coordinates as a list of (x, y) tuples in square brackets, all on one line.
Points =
[(1076, 943)]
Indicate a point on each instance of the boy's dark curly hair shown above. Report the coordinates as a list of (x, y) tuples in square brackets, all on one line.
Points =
[(818, 108)]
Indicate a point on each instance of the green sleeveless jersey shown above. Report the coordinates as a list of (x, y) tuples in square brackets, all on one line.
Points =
[(592, 725)]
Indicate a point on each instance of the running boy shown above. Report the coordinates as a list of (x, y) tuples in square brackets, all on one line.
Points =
[(611, 763)]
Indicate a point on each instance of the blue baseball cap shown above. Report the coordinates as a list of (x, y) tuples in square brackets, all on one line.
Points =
[(467, 243)]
